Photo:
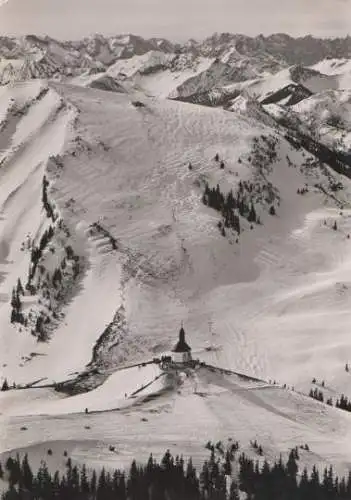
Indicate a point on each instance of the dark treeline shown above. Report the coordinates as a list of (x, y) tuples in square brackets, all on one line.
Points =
[(343, 403), (232, 205), (173, 479), (338, 161)]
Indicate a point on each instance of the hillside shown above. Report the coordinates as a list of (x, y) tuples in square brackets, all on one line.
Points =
[(154, 185), (168, 250), (176, 413)]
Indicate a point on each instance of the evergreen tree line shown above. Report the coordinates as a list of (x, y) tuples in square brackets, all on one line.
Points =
[(16, 304), (16, 313), (343, 403), (173, 479), (337, 160), (230, 206), (264, 151), (56, 280)]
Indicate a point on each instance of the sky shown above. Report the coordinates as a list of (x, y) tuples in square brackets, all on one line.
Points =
[(174, 19)]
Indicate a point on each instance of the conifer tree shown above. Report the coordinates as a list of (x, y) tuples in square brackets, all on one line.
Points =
[(132, 485), (252, 217), (84, 483), (205, 478), (234, 493), (5, 385), (93, 483), (56, 485), (227, 465), (27, 473), (15, 301), (20, 289), (11, 494)]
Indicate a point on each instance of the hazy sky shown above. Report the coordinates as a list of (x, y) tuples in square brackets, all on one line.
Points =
[(175, 19)]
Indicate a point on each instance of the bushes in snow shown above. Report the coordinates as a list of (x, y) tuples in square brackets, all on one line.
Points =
[(257, 447), (98, 227), (316, 394)]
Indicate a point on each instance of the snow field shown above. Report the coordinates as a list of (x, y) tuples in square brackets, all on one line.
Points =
[(183, 421), (278, 300)]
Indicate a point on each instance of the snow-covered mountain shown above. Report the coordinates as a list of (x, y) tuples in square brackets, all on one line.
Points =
[(144, 184), (236, 57)]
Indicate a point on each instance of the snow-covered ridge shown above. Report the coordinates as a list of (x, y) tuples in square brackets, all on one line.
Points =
[(113, 231), (124, 214), (91, 181)]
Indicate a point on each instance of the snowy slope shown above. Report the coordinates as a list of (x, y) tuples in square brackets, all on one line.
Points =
[(325, 116), (339, 67), (311, 79), (157, 73), (203, 405), (98, 80)]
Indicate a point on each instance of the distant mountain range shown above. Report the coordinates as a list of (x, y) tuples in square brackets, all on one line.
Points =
[(35, 56)]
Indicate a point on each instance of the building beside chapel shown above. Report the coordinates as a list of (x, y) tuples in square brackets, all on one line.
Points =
[(181, 353)]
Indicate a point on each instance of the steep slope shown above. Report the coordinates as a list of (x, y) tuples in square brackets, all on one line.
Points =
[(157, 73), (324, 116), (221, 82), (129, 206)]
